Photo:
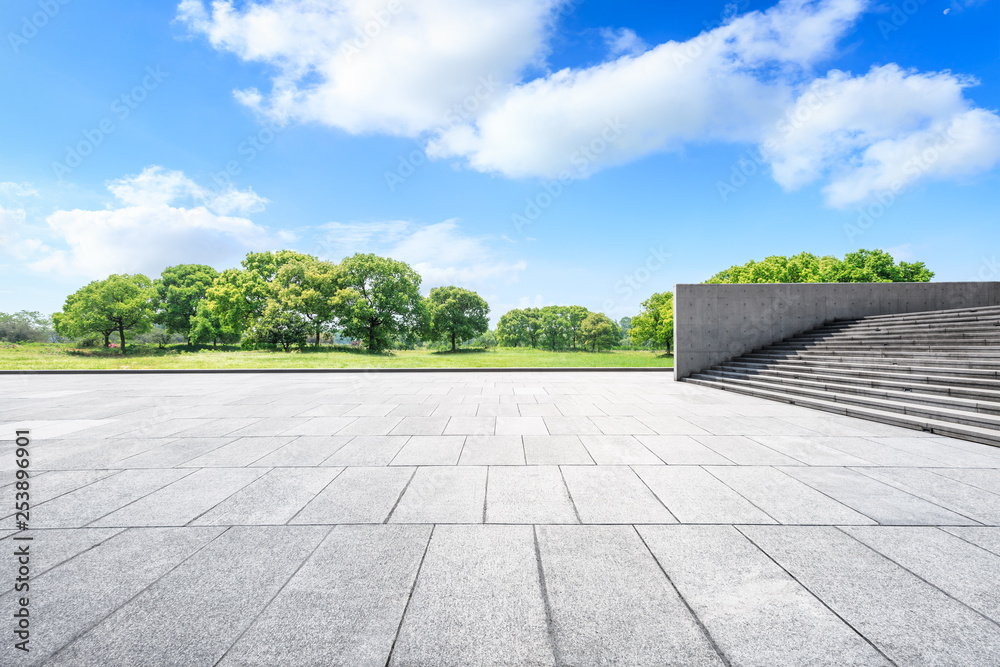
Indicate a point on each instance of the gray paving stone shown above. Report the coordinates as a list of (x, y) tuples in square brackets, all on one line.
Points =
[(184, 500), (81, 507), (870, 449), (270, 426), (71, 599), (756, 613), (682, 450), (331, 426), (885, 504), (243, 568), (613, 494), (50, 548), (443, 495), (477, 601), (173, 453), (965, 499), (982, 478), (344, 605), (985, 538), (368, 450), (528, 494), (621, 426), (357, 495), (555, 450), (784, 498), (538, 410), (239, 453), (964, 571), (618, 450), (571, 426), (940, 450), (520, 426), (425, 426), (58, 482), (909, 620), (694, 496), (209, 428), (498, 410), (412, 410), (468, 425), (741, 450), (493, 450), (810, 450), (305, 450), (453, 410), (611, 604), (270, 500), (430, 450)]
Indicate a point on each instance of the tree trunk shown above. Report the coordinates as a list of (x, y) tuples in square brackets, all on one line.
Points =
[(107, 338), (121, 335), (452, 341), (317, 334), (371, 336)]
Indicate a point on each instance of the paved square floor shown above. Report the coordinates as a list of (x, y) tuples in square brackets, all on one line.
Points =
[(488, 518)]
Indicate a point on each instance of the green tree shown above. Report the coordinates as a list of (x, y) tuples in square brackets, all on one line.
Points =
[(179, 291), (624, 324), (863, 266), (278, 325), (512, 328), (206, 327), (554, 327), (380, 300), (25, 327), (120, 303), (456, 313), (575, 315), (655, 324), (238, 297), (309, 287), (598, 331)]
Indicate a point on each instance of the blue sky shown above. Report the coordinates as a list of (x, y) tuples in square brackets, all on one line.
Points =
[(537, 151)]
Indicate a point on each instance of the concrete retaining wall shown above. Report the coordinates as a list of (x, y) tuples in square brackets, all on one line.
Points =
[(714, 323)]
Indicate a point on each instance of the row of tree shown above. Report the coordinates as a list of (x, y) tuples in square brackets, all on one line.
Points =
[(863, 266), (277, 298)]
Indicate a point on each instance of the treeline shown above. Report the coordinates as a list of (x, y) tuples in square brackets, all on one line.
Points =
[(574, 327), (281, 298), (863, 266)]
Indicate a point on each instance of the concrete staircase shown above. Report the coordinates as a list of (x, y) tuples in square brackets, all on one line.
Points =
[(935, 371)]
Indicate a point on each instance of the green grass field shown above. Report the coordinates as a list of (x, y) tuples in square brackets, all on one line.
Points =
[(35, 356)]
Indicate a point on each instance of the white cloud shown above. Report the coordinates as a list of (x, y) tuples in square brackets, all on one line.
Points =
[(881, 132), (156, 185), (391, 66), (153, 224), (441, 253), (9, 189), (623, 41), (732, 83)]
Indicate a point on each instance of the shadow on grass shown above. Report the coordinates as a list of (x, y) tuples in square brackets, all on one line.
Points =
[(141, 351), (468, 350)]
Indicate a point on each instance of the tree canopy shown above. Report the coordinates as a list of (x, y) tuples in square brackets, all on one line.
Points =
[(863, 266), (380, 300), (655, 324), (457, 314), (120, 303), (179, 291), (598, 331)]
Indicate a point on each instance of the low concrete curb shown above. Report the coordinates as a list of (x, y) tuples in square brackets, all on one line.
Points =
[(126, 371)]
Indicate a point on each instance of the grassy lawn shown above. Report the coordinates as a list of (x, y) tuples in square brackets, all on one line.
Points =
[(36, 356)]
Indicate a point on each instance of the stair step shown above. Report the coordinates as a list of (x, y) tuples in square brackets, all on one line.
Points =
[(962, 431), (915, 379), (898, 395)]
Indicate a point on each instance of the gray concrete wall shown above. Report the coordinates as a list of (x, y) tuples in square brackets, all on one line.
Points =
[(714, 323)]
